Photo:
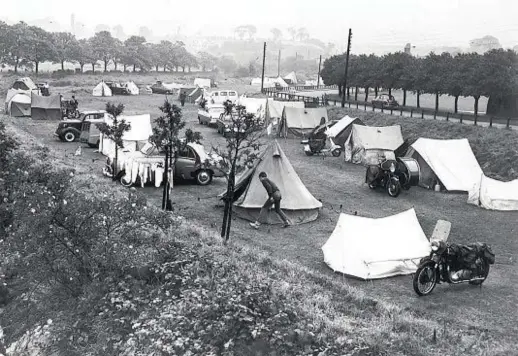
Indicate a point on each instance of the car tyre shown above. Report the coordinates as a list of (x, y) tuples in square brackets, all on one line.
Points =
[(203, 177), (70, 136), (336, 152)]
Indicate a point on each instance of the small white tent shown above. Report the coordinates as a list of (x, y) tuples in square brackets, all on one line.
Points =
[(202, 82), (133, 139), (256, 106), (132, 87), (274, 108), (102, 89), (492, 194), (450, 163), (366, 144), (279, 81), (291, 78), (360, 246), (19, 105)]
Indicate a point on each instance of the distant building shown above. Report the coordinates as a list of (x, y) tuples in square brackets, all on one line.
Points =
[(484, 44), (408, 49)]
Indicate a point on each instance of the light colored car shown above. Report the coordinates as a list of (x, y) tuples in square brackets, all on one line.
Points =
[(385, 101), (210, 114), (220, 96)]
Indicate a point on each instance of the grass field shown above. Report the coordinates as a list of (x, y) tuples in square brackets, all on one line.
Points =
[(486, 317)]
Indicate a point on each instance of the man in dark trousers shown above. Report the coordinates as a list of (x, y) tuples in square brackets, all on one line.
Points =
[(182, 98), (274, 198)]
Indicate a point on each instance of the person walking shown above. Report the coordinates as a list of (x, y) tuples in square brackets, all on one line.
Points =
[(274, 198), (182, 98)]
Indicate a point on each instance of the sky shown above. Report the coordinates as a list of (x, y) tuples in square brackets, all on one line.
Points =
[(377, 25)]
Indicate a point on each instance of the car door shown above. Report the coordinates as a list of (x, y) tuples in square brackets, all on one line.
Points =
[(185, 163)]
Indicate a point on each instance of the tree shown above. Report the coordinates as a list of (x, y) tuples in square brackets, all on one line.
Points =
[(41, 47), (118, 32), (239, 152), (251, 30), (166, 137), (227, 64), (66, 47), (435, 75), (457, 79), (118, 52), (293, 32), (103, 46), (84, 54), (241, 31), (17, 45), (302, 34), (135, 52), (277, 34), (115, 131), (206, 60)]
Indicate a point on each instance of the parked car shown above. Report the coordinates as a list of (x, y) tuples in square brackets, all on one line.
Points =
[(70, 130), (159, 88), (220, 96), (118, 88), (385, 101), (225, 126), (44, 88), (210, 114)]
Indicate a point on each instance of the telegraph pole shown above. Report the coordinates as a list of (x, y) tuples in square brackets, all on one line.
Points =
[(319, 66), (264, 60), (279, 65), (346, 66)]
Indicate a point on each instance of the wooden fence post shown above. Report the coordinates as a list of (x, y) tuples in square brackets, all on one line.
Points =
[(508, 122), (448, 116), (422, 114), (435, 115), (461, 117), (491, 121), (475, 120), (411, 112)]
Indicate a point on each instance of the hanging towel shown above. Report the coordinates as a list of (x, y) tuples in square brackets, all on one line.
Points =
[(134, 171), (159, 176), (141, 174)]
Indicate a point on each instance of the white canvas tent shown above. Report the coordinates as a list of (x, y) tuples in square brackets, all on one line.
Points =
[(291, 78), (492, 194), (275, 108), (134, 139), (314, 82), (102, 89), (19, 105), (202, 82), (340, 132), (257, 81), (256, 106), (361, 247), (451, 163), (280, 82), (25, 84), (366, 144), (298, 122), (132, 87), (297, 202)]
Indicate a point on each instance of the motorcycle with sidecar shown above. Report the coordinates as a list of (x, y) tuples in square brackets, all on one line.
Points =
[(393, 175)]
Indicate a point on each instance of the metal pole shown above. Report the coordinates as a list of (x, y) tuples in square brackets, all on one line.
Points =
[(346, 66), (279, 65), (319, 66), (264, 60)]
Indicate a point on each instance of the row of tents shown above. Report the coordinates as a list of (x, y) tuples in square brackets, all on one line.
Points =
[(102, 89), (35, 106), (284, 82)]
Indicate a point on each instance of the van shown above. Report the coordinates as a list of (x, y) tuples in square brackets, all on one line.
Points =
[(220, 96)]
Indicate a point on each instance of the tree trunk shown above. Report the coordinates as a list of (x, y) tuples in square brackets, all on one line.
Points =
[(477, 97), (404, 97), (134, 67), (115, 64), (16, 65), (125, 66), (37, 66), (189, 69), (340, 90), (166, 179), (115, 163), (183, 69), (418, 93), (356, 94), (376, 91), (456, 109), (165, 67), (367, 93), (93, 67), (63, 65), (156, 68), (390, 91), (81, 65), (348, 93), (436, 101), (105, 65)]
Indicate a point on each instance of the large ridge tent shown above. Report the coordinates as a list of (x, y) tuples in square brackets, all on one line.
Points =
[(291, 78), (202, 82), (24, 84), (274, 108), (450, 163), (341, 131), (102, 89), (19, 104), (298, 122), (297, 202), (132, 87), (46, 107), (492, 194), (256, 106), (360, 246), (366, 144), (133, 139)]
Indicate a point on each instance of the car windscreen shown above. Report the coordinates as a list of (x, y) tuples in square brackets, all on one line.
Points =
[(224, 93)]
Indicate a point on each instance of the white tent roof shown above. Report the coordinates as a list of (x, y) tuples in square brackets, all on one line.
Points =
[(492, 194), (275, 107), (452, 161), (372, 137), (28, 82), (292, 76), (256, 106), (202, 82), (340, 126), (140, 126), (21, 98), (132, 87), (281, 82), (360, 246), (102, 89)]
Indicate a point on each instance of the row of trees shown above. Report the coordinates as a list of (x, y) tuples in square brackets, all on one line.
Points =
[(494, 73), (27, 46)]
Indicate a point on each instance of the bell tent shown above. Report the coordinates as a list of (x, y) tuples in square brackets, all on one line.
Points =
[(297, 202), (291, 78), (450, 163), (341, 131), (133, 139), (46, 107), (360, 246), (19, 105), (366, 144), (102, 89), (299, 122)]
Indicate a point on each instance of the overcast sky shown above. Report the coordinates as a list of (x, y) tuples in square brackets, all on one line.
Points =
[(376, 24)]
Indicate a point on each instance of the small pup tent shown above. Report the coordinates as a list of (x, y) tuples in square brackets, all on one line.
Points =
[(202, 82), (46, 107), (298, 122), (450, 163), (341, 131), (297, 202), (492, 194), (360, 246), (291, 78), (366, 144), (132, 88), (19, 104), (102, 89), (133, 139)]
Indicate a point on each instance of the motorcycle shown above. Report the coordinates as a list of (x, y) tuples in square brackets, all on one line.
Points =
[(453, 264), (318, 146), (393, 175)]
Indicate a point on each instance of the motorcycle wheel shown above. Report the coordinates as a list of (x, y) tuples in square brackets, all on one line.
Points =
[(425, 279), (393, 187), (484, 275), (336, 152)]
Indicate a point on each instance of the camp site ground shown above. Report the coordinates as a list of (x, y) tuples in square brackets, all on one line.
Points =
[(340, 187)]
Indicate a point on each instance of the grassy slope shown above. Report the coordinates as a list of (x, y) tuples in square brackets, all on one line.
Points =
[(336, 311), (495, 149)]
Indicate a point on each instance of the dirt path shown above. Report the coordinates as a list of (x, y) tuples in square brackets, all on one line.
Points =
[(492, 307)]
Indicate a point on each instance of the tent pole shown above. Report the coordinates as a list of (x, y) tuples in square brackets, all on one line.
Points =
[(346, 66), (264, 60)]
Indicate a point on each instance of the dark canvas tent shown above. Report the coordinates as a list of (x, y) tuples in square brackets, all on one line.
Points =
[(195, 94), (297, 202), (298, 122), (46, 107)]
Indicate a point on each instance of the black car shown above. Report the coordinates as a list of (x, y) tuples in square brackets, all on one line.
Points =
[(70, 130), (159, 88)]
